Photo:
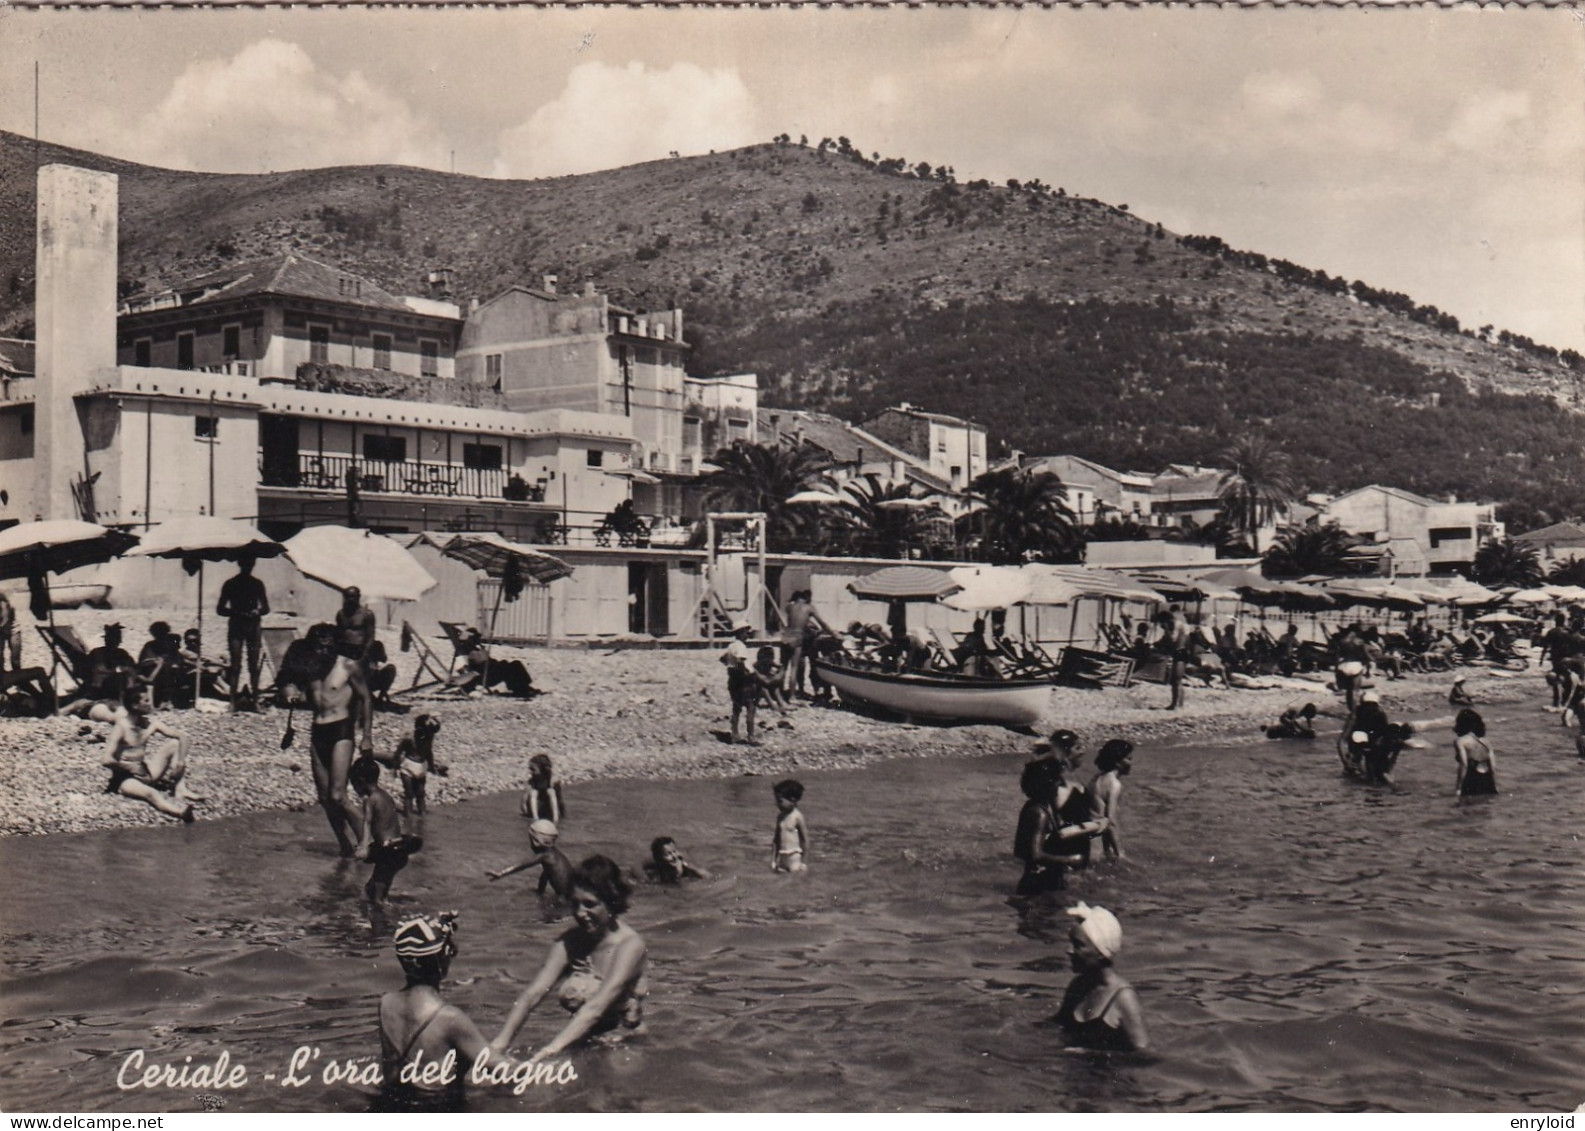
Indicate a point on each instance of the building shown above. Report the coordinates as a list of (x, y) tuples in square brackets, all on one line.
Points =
[(1446, 534), (1096, 493), (854, 452), (1556, 545), (953, 449)]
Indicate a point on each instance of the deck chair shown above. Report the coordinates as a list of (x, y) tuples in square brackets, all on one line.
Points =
[(457, 634), (429, 663), (276, 640), (68, 651)]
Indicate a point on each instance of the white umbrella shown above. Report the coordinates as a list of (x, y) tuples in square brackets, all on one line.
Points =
[(1502, 618), (818, 498), (905, 504), (1529, 597), (1567, 592), (987, 587), (58, 545), (342, 558)]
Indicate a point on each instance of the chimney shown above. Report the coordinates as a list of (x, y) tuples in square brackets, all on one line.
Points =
[(75, 322), (550, 284)]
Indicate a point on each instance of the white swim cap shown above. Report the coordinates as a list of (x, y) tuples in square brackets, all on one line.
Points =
[(1100, 926)]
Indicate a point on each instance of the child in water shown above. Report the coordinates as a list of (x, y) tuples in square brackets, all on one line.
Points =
[(557, 873), (790, 841), (542, 799), (382, 844), (415, 759), (667, 865), (1295, 722)]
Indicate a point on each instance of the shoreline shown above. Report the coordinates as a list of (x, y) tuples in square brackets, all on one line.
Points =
[(625, 713)]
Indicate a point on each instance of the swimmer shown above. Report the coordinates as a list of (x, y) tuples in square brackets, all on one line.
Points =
[(342, 708), (1477, 765), (382, 842), (418, 1028), (1295, 722), (1044, 830), (1115, 761), (139, 767), (415, 758), (1100, 1011), (599, 964), (790, 840), (557, 873), (542, 799), (666, 864)]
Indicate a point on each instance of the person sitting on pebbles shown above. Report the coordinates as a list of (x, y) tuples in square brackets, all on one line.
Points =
[(142, 768), (1459, 696)]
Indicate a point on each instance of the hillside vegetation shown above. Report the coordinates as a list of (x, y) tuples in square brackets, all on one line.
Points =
[(850, 282)]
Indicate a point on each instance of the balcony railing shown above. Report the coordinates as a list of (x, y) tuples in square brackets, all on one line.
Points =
[(412, 477)]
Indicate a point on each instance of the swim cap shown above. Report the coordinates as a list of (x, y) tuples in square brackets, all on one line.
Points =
[(1359, 738), (1064, 738), (425, 937), (1100, 926), (543, 831)]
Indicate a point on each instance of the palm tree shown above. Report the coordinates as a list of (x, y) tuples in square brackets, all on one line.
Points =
[(1506, 563), (1257, 488), (1571, 572), (1024, 516), (762, 477), (885, 531), (1302, 550)]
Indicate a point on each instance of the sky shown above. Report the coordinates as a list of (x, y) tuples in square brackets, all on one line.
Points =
[(1438, 152)]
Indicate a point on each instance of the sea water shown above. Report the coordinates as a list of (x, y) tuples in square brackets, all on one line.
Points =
[(1300, 942)]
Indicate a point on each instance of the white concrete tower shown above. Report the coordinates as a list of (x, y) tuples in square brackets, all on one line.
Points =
[(74, 315)]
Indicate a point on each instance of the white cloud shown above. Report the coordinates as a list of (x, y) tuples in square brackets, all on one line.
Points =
[(269, 106), (1277, 94), (606, 117), (1486, 120)]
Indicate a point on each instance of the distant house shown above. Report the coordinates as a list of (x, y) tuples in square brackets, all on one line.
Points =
[(1556, 545), (853, 451), (1095, 492), (1446, 534), (954, 449)]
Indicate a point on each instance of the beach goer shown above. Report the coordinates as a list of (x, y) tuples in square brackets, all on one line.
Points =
[(1459, 695), (1047, 841), (27, 691), (160, 664), (342, 709), (382, 842), (1115, 761), (1294, 722), (212, 680), (10, 636), (666, 864), (598, 965), (379, 672), (803, 625), (790, 839), (415, 761), (419, 1030), (1100, 1011), (1477, 765), (147, 758), (356, 625), (542, 798), (1064, 745), (1179, 649), (1558, 643), (110, 669), (483, 672), (244, 603), (741, 686), (768, 675), (556, 869)]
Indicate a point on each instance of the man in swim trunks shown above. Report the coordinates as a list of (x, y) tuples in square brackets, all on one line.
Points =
[(244, 604), (141, 769), (342, 708), (356, 625)]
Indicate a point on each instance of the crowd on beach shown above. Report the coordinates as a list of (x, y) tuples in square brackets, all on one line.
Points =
[(597, 967)]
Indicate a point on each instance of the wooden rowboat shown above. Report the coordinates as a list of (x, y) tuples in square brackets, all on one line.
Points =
[(940, 695)]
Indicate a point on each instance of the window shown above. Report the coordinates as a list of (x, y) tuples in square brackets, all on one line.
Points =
[(141, 349), (690, 431), (385, 449), (492, 370), (382, 351), (206, 427), (429, 358), (231, 342), (184, 351), (957, 473), (596, 457), (736, 429), (484, 457), (319, 343), (25, 420)]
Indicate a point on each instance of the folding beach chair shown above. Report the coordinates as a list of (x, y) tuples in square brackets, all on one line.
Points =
[(68, 651), (429, 664), (276, 640)]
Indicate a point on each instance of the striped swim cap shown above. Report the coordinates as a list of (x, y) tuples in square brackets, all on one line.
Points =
[(425, 937)]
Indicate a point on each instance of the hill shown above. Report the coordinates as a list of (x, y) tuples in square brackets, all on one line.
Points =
[(1063, 324)]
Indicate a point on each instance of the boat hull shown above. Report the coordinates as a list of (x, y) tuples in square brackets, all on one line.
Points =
[(1014, 703)]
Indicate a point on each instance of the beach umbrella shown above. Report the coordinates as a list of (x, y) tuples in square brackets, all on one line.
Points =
[(815, 498), (903, 583), (905, 504), (58, 546), (342, 557), (1567, 592), (196, 539), (1235, 578), (1529, 597), (1185, 588), (987, 587), (1503, 618), (496, 556)]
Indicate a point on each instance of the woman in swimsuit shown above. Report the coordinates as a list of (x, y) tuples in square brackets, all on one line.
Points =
[(418, 1030), (599, 964), (1054, 827), (1100, 1011), (1477, 765)]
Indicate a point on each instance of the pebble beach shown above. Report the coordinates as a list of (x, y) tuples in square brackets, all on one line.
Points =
[(610, 710)]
